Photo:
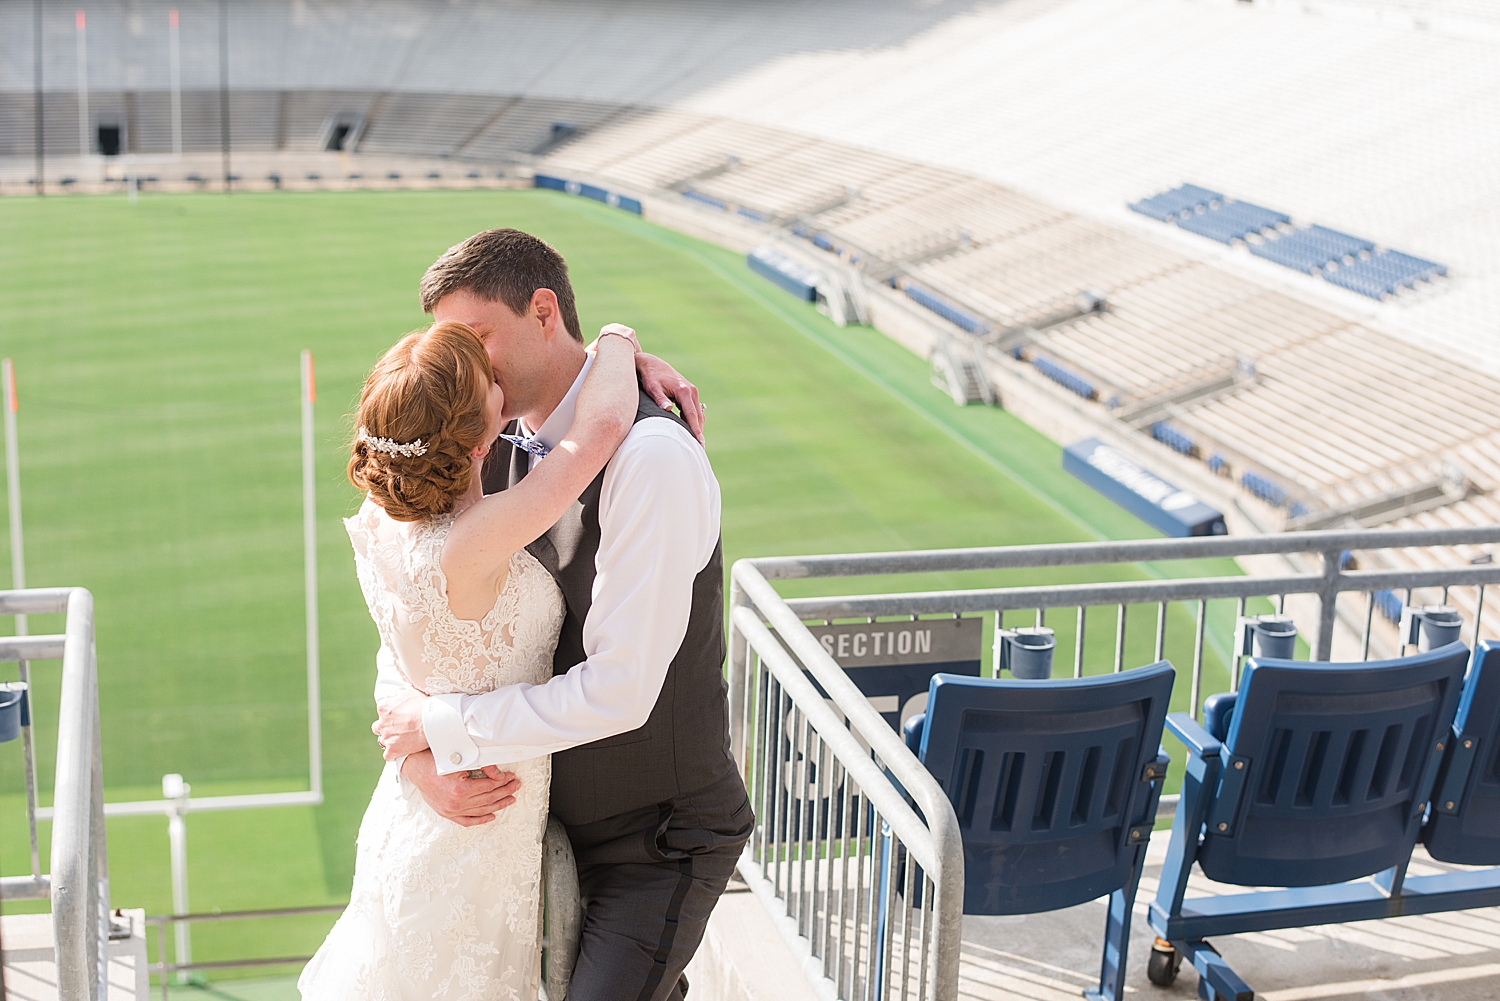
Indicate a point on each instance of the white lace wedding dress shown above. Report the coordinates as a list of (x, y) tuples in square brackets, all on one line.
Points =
[(440, 911)]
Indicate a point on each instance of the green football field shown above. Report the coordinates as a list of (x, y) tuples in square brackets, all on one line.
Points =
[(156, 348)]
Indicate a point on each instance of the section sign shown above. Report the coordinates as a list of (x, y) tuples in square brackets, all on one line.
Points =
[(893, 662)]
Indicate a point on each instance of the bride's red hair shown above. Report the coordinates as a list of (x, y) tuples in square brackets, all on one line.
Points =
[(431, 387)]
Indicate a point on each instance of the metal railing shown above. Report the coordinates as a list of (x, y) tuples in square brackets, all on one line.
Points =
[(161, 922), (862, 886), (832, 855), (79, 881), (559, 943)]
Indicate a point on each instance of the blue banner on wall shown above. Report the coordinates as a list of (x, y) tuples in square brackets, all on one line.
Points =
[(1161, 505)]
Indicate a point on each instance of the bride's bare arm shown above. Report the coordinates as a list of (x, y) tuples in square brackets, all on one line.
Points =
[(484, 539)]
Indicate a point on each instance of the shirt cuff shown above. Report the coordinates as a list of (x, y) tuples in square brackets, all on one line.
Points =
[(453, 749), (405, 783)]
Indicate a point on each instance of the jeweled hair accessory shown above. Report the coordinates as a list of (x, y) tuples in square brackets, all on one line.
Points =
[(390, 447)]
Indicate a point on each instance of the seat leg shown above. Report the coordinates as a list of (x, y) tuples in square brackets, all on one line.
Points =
[(1117, 936), (1215, 979)]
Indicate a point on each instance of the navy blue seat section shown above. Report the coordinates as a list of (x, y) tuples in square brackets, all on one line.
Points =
[(1231, 221), (1173, 438), (1168, 205), (1065, 378), (945, 309), (1267, 490), (1312, 248), (1337, 763), (1464, 823), (1385, 272), (1046, 779)]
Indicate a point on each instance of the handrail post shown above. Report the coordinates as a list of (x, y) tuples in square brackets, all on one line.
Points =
[(1328, 595), (76, 840), (739, 655)]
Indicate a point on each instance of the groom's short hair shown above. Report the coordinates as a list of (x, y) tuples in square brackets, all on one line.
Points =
[(503, 265)]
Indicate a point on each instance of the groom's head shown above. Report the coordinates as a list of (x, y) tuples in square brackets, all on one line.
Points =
[(513, 289)]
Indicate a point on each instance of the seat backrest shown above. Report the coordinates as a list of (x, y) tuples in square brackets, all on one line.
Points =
[(1326, 767), (1046, 779), (1464, 824)]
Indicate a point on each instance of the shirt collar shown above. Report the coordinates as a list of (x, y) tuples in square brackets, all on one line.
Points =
[(557, 423)]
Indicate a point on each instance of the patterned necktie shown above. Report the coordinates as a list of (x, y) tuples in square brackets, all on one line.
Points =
[(530, 445)]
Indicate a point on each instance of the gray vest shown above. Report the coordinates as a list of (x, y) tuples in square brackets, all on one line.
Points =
[(684, 745)]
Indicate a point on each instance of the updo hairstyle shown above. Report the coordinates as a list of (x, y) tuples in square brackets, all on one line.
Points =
[(431, 386)]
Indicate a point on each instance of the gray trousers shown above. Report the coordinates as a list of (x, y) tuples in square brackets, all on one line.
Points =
[(648, 882)]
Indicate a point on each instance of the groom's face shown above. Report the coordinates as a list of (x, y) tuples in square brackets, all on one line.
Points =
[(517, 344)]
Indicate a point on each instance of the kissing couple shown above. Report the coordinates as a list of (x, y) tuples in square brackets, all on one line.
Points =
[(539, 548)]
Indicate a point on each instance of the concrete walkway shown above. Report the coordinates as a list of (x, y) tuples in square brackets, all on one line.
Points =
[(1053, 957)]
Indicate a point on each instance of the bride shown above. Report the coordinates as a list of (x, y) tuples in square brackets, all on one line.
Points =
[(440, 910)]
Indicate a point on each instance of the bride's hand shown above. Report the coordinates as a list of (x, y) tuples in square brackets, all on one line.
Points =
[(664, 384), (399, 728)]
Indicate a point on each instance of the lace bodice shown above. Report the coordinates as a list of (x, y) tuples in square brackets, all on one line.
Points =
[(401, 575)]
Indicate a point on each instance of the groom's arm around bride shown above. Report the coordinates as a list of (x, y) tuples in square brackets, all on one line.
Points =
[(636, 715)]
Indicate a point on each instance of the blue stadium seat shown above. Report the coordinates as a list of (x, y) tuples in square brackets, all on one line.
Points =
[(1463, 826), (1383, 273), (1055, 784), (1311, 248), (1168, 205), (1064, 378), (1231, 221), (1267, 490), (942, 308), (1173, 438), (1321, 781)]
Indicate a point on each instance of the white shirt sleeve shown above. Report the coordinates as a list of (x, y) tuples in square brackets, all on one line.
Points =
[(659, 524), (388, 678), (389, 681)]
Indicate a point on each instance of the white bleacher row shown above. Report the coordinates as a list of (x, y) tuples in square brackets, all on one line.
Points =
[(480, 127), (1336, 408)]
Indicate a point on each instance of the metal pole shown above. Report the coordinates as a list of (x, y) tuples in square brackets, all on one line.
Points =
[(83, 86), (74, 877), (18, 581), (37, 88), (1328, 607), (176, 790), (13, 485), (310, 571), (174, 54), (224, 87)]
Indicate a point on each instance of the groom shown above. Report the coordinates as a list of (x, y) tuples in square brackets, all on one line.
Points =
[(636, 715)]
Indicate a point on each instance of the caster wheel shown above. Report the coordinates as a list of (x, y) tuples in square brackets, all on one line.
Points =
[(1165, 961)]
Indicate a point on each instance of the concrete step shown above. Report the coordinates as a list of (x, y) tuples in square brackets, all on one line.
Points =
[(743, 957), (31, 967)]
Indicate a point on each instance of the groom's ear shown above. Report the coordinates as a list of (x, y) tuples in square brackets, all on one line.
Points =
[(544, 308)]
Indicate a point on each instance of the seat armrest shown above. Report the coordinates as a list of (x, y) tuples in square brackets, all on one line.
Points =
[(1191, 733), (913, 733)]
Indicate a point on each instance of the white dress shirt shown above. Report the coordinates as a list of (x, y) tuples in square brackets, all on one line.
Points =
[(659, 524)]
